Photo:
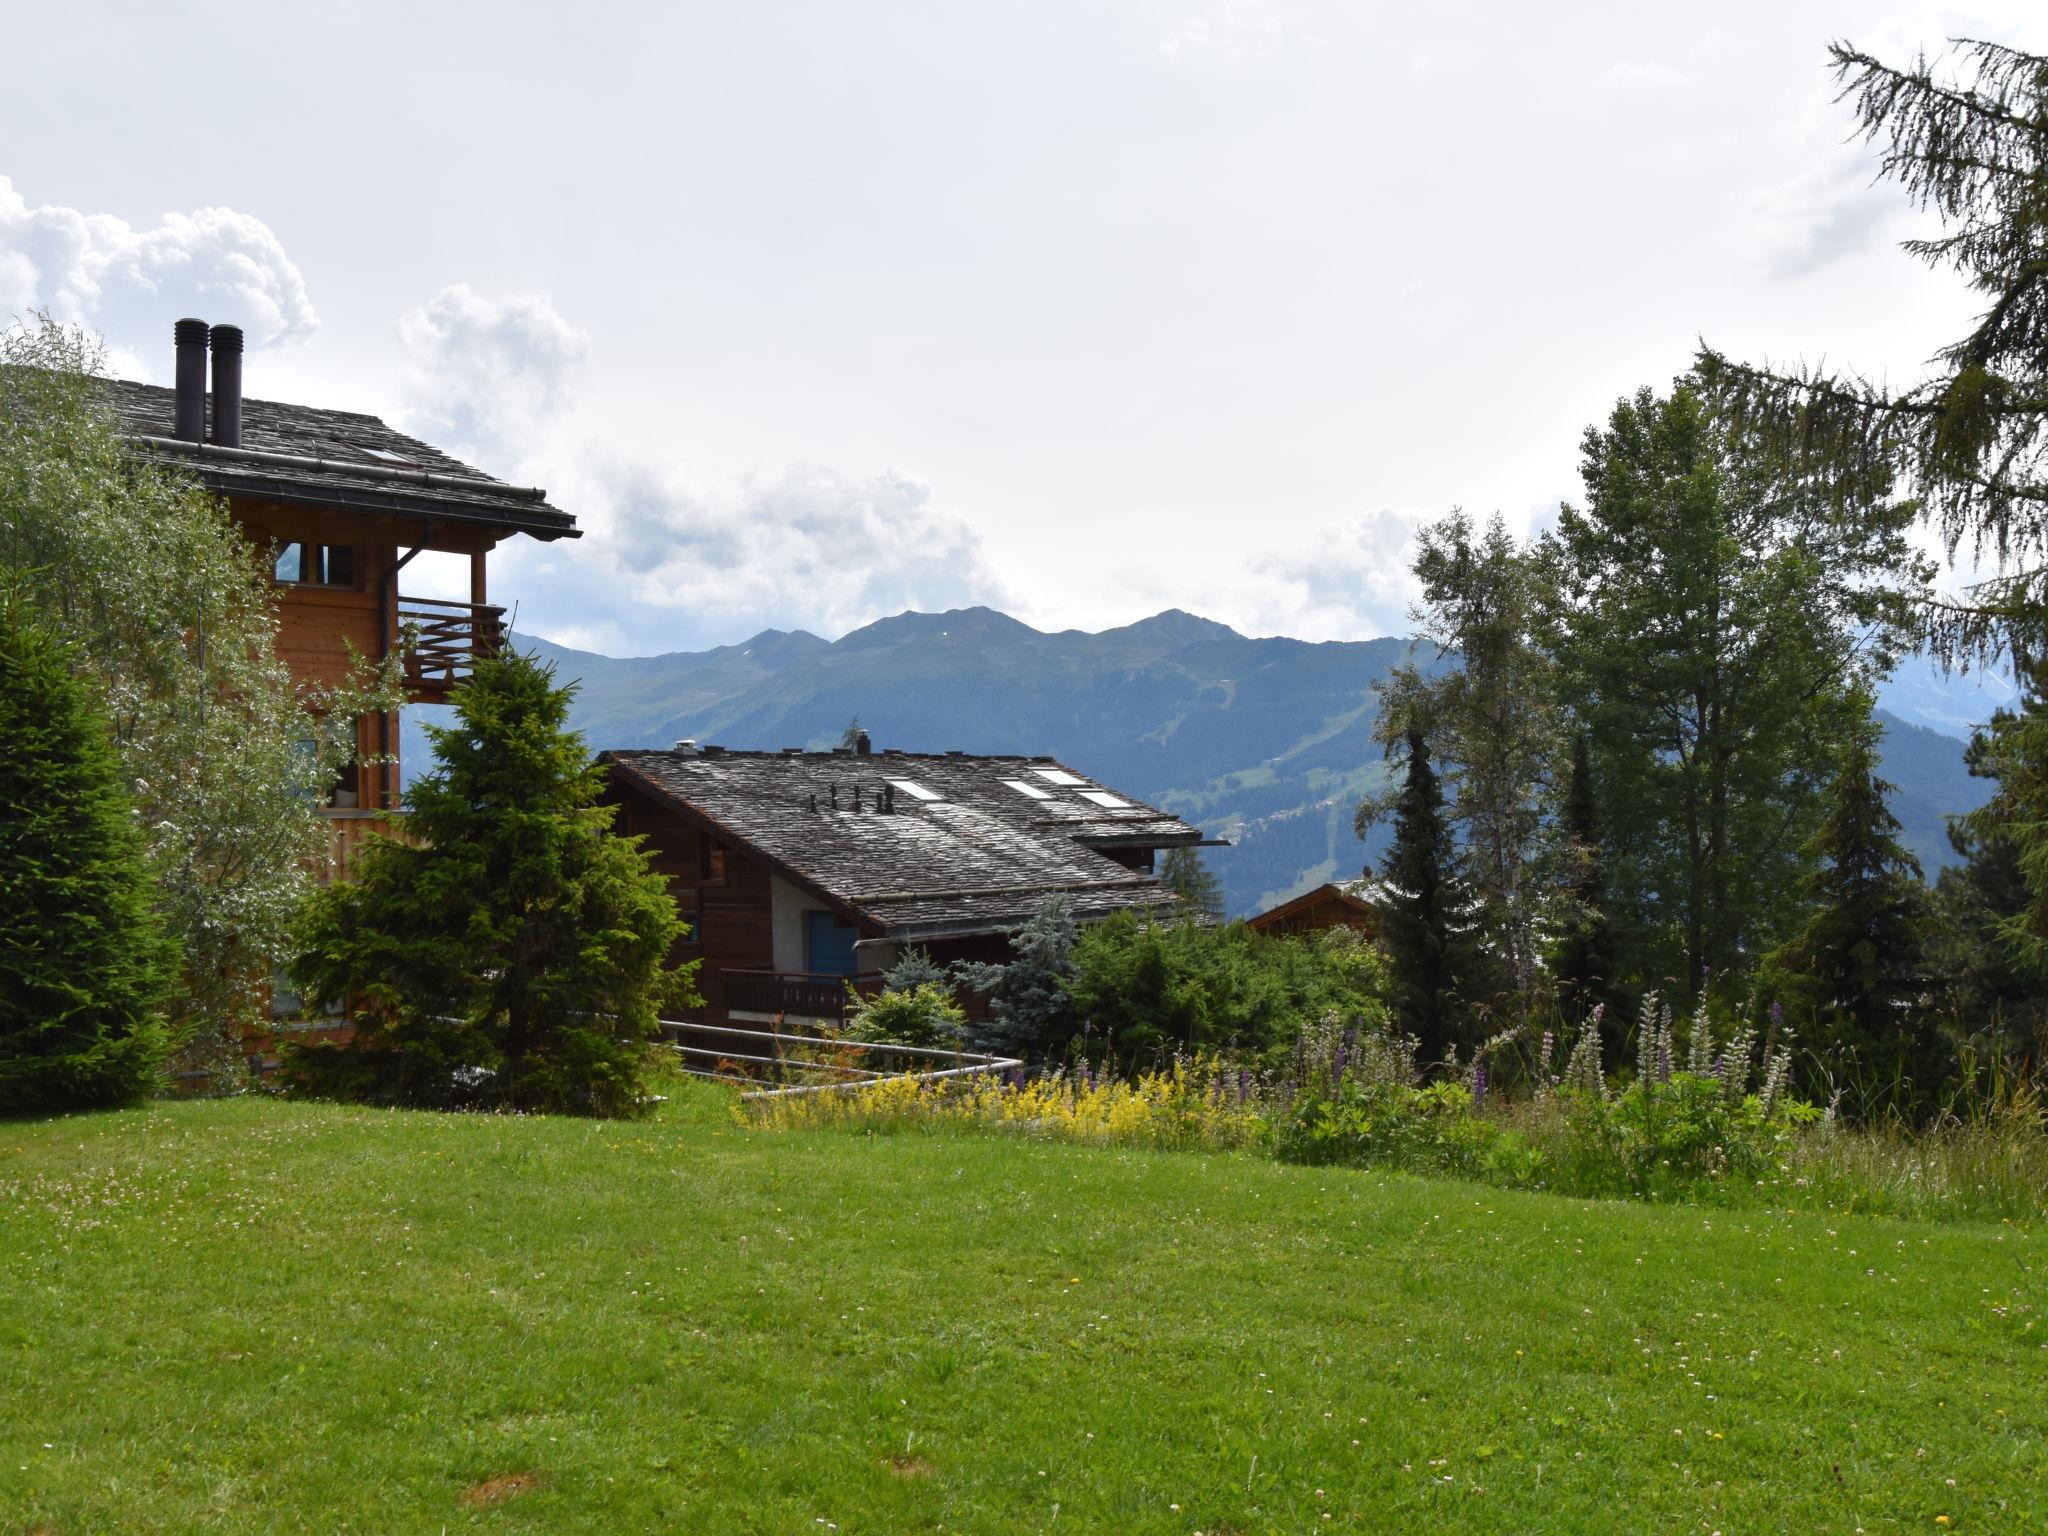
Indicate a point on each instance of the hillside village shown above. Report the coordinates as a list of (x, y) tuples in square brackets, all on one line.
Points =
[(1572, 1064)]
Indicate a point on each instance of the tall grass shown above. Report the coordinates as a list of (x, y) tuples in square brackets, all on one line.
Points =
[(1707, 1121)]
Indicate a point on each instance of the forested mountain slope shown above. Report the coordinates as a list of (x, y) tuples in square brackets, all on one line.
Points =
[(1265, 741)]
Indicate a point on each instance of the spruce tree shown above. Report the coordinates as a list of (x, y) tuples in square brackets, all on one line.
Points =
[(1587, 952), (512, 950), (1187, 874), (84, 968), (1857, 975), (1425, 913), (1030, 1015)]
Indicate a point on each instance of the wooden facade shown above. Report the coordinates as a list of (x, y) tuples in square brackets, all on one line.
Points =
[(1327, 906)]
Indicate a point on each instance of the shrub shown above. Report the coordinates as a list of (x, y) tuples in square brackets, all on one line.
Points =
[(1029, 1012), (1146, 986), (514, 955), (924, 1014), (84, 967)]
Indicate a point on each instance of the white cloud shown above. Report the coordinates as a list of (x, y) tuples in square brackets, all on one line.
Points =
[(669, 560), (97, 270), (1229, 29), (486, 378), (1641, 77)]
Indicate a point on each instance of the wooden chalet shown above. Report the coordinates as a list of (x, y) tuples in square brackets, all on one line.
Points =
[(800, 872), (341, 504), (1327, 906)]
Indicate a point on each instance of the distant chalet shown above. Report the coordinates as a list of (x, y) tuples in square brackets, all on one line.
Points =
[(798, 871)]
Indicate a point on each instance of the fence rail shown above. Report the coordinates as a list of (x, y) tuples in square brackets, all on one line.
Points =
[(793, 1056)]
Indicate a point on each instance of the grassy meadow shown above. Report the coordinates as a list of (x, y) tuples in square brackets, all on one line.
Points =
[(257, 1316)]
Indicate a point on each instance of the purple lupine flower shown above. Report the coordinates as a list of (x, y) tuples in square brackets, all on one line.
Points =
[(1478, 1085), (1244, 1084), (1016, 1077), (1337, 1069), (1720, 1065), (1664, 1059), (1777, 1013)]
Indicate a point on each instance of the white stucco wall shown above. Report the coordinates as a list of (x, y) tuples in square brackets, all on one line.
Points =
[(788, 904)]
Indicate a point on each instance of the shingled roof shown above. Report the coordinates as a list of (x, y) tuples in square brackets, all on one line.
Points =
[(306, 456), (962, 850)]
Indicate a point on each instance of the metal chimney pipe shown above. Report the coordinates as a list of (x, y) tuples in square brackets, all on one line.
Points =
[(862, 746), (189, 420), (226, 341)]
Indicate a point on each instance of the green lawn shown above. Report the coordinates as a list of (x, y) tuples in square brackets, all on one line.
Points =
[(251, 1316)]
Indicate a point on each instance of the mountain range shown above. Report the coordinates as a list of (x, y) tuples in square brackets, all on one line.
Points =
[(1267, 742)]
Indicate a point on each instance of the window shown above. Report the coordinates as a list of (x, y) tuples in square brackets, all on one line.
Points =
[(828, 944), (1104, 798), (1058, 776), (1027, 789), (915, 790), (315, 565)]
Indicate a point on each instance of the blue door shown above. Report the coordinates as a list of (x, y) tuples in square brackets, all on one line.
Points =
[(828, 944)]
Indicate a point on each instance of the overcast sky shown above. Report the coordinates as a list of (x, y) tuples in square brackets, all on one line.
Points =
[(811, 313)]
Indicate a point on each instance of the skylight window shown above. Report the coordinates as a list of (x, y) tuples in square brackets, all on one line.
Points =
[(1023, 788), (1058, 776), (1104, 798), (388, 457), (915, 790)]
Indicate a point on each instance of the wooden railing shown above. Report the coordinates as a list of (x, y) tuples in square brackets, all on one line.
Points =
[(441, 640), (348, 832), (794, 994)]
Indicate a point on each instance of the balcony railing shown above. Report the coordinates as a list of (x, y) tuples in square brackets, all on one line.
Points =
[(794, 994), (442, 640)]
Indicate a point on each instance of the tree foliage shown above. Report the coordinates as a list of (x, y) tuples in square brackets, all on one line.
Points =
[(1029, 1015), (1717, 615), (1427, 915), (512, 952), (1856, 973), (171, 611), (84, 967), (1187, 874), (1144, 987), (1971, 438), (1494, 725), (1585, 960)]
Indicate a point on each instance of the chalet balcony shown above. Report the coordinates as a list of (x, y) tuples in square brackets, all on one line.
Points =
[(768, 995), (440, 641)]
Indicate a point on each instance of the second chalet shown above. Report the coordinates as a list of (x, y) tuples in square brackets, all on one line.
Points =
[(800, 872)]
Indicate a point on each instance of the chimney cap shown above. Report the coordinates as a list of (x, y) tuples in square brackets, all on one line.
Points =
[(224, 338), (187, 331), (687, 747)]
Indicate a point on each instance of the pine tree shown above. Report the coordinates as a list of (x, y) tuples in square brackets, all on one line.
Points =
[(1425, 912), (512, 950), (1857, 973), (1030, 1015), (1587, 953), (1187, 874), (84, 968)]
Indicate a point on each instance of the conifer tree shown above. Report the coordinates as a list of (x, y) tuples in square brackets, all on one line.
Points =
[(512, 951), (1187, 874), (1587, 953), (1970, 437), (84, 968), (1857, 972), (1425, 912), (1030, 1013)]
